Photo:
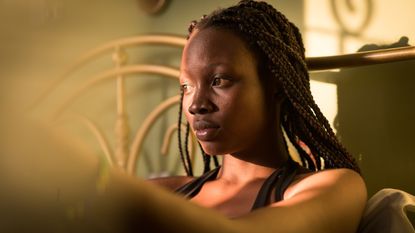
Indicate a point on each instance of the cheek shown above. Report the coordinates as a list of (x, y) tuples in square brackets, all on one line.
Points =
[(248, 103), (244, 109), (185, 107)]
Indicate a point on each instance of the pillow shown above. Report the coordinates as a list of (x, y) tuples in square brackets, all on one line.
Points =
[(387, 211)]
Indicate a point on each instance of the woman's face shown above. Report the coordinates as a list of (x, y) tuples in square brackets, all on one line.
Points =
[(223, 97)]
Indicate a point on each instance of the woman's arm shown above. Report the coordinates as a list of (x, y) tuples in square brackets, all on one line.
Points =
[(54, 187), (328, 201), (51, 183)]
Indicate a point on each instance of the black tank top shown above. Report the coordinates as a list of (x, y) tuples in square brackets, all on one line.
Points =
[(279, 180)]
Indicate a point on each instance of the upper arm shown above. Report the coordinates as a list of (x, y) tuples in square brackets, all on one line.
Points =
[(327, 201)]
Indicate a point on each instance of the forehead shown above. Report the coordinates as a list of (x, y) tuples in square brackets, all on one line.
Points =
[(216, 46)]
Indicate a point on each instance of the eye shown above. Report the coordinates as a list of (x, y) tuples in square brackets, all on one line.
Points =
[(216, 82), (185, 88), (219, 81)]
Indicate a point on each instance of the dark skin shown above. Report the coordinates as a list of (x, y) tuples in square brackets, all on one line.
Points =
[(221, 84), (240, 119)]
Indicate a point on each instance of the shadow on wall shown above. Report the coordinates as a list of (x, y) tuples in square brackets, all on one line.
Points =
[(376, 122)]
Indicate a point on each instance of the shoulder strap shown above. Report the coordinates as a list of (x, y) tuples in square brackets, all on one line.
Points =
[(280, 179), (192, 188), (285, 181)]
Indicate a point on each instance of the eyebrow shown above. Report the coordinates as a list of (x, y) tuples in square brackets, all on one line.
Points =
[(209, 66), (218, 64)]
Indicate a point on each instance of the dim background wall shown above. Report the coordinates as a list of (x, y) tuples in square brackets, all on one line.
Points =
[(374, 108), (41, 38)]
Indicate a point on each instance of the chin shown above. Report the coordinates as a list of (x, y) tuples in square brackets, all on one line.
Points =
[(214, 148)]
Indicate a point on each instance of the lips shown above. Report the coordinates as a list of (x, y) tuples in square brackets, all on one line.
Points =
[(205, 130)]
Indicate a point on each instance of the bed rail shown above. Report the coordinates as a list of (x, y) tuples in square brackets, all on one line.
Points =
[(125, 155)]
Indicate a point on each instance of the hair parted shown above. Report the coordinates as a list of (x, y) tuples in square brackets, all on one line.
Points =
[(278, 46)]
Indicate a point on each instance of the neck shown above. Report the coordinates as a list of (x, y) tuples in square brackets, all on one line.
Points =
[(235, 170), (255, 163)]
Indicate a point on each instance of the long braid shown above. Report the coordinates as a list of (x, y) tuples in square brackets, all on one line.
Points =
[(215, 161), (185, 157), (186, 149), (179, 136), (206, 160), (314, 106), (278, 43)]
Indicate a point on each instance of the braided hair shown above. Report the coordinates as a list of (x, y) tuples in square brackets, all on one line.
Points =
[(278, 46)]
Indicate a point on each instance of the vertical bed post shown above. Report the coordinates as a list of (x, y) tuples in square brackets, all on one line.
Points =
[(122, 129)]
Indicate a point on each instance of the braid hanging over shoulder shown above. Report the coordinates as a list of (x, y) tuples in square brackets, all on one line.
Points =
[(278, 45)]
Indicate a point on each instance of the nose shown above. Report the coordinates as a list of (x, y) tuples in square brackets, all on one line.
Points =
[(201, 103)]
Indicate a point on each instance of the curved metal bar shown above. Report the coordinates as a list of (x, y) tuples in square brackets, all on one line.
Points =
[(144, 129), (361, 58), (167, 139), (169, 40), (103, 142), (193, 146), (167, 72)]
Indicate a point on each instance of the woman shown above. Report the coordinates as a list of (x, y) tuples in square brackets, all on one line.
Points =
[(243, 76), (243, 81)]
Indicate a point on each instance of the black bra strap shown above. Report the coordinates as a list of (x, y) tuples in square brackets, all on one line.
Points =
[(280, 179), (285, 181), (263, 194), (192, 188)]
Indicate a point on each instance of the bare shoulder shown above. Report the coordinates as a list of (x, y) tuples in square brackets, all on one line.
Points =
[(330, 180), (172, 182), (331, 200)]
